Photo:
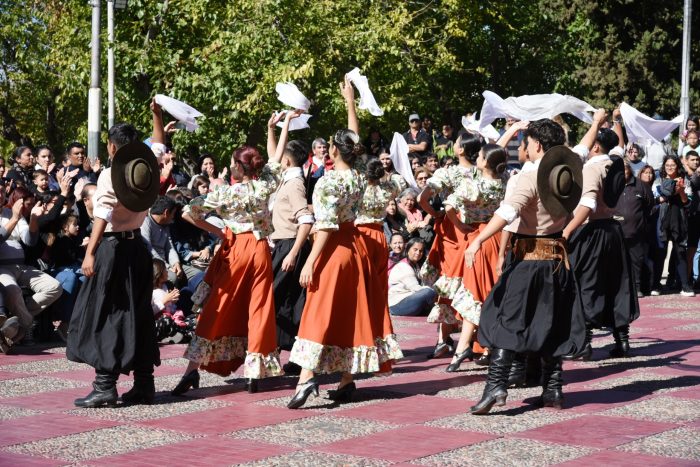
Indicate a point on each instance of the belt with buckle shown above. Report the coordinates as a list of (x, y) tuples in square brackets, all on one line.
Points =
[(534, 249), (126, 235)]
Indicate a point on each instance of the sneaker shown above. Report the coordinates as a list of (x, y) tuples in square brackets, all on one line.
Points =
[(687, 292), (655, 293)]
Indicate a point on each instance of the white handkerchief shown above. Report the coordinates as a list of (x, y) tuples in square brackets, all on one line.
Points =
[(532, 107), (644, 129), (298, 123), (367, 101), (181, 111), (472, 124), (399, 157), (289, 94)]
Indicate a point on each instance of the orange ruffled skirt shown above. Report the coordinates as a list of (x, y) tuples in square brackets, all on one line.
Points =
[(237, 323), (345, 325)]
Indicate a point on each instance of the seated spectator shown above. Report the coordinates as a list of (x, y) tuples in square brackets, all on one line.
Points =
[(447, 161), (421, 176), (394, 223), (432, 163), (171, 323), (67, 255), (415, 162), (14, 272), (22, 167), (200, 185), (155, 231), (2, 168), (194, 246), (40, 179), (407, 295), (396, 249)]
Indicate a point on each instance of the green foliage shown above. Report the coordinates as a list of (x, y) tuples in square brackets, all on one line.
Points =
[(224, 58)]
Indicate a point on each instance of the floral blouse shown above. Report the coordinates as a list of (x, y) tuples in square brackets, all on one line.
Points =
[(337, 197), (242, 206), (376, 198), (445, 180), (477, 198)]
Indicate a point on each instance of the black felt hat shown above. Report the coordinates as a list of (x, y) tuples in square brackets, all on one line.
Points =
[(135, 176), (560, 180)]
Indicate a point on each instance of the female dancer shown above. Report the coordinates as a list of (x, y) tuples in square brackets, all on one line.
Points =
[(477, 199), (339, 331), (229, 333), (444, 264)]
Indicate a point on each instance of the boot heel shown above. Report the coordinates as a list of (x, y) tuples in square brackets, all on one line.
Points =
[(501, 400)]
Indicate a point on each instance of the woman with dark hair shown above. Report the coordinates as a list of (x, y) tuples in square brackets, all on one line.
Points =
[(470, 208), (200, 185), (673, 195), (237, 323), (692, 124), (407, 294), (22, 167), (444, 264), (207, 167), (341, 330), (394, 222), (375, 198)]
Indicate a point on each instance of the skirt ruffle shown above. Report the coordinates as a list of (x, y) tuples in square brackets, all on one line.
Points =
[(321, 358)]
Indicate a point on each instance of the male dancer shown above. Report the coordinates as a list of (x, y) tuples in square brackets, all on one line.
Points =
[(112, 327), (534, 307), (598, 256)]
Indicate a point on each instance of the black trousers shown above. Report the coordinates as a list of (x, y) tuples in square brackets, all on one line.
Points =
[(639, 252)]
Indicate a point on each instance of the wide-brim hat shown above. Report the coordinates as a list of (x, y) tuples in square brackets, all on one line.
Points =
[(614, 182), (135, 176), (560, 180)]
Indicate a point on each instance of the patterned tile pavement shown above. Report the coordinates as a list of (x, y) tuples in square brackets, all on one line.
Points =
[(641, 410)]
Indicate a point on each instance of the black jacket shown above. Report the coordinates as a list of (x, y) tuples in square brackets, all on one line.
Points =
[(634, 206)]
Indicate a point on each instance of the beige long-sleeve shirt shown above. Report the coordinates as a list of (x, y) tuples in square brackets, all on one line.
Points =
[(289, 206)]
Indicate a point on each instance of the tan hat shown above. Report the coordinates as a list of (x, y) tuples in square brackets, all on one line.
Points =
[(135, 176), (560, 180)]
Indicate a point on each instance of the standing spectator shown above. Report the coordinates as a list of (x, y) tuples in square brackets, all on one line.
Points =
[(207, 167), (75, 153), (673, 196), (634, 158), (444, 143), (319, 153), (44, 160), (691, 142), (634, 209), (155, 231), (428, 128), (375, 143), (692, 124), (23, 167), (692, 163), (419, 142), (85, 206), (407, 295)]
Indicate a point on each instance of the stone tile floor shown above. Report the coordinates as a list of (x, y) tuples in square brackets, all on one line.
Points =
[(641, 410)]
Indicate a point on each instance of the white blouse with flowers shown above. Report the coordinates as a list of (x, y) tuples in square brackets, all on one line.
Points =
[(337, 197), (242, 206), (445, 180), (477, 198), (376, 198)]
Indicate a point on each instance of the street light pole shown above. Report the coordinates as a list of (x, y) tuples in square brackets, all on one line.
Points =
[(110, 63), (685, 67), (94, 98)]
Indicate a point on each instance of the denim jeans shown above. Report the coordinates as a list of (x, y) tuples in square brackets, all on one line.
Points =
[(417, 304), (71, 278)]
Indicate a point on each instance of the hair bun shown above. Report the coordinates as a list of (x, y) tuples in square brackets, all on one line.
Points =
[(500, 168)]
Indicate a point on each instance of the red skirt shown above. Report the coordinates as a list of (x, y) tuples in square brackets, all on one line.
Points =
[(342, 329), (237, 323)]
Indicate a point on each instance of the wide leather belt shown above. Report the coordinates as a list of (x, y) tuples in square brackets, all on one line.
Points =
[(542, 249)]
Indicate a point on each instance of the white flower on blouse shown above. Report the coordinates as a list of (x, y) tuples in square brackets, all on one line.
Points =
[(445, 180), (242, 206), (477, 198), (376, 198)]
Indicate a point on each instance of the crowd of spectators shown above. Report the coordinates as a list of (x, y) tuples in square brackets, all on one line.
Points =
[(47, 215)]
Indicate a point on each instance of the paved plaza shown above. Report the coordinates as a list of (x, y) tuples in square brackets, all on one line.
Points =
[(642, 410)]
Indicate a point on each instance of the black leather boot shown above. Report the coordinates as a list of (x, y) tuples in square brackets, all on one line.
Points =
[(104, 391), (517, 377), (552, 395), (495, 391), (144, 390), (622, 342), (587, 351)]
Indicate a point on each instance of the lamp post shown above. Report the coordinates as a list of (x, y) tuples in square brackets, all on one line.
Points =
[(111, 5), (685, 67), (94, 98)]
